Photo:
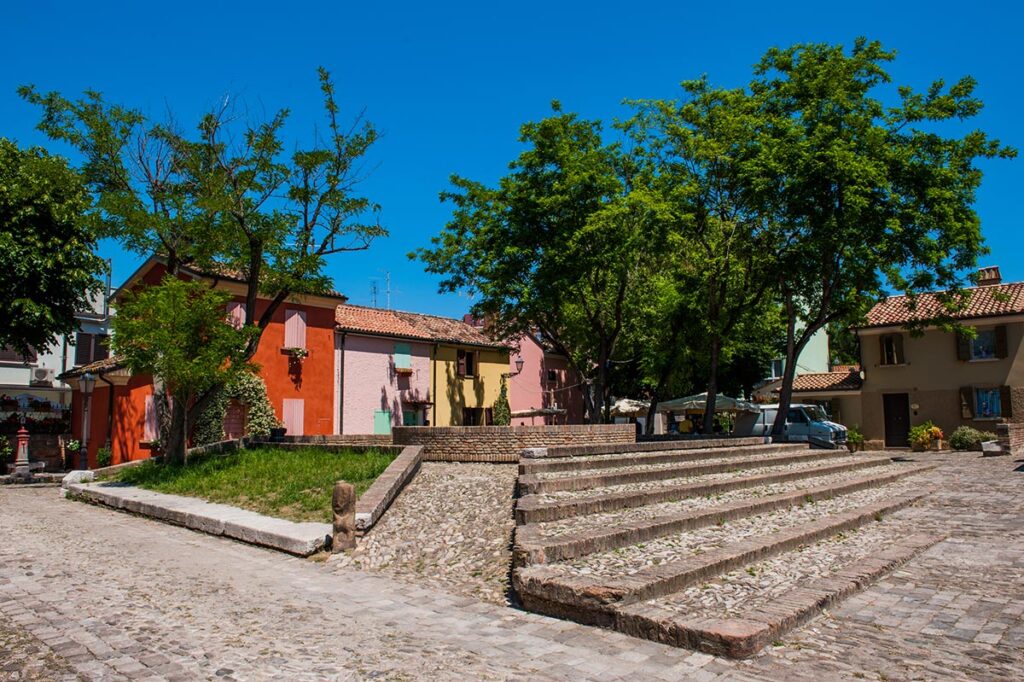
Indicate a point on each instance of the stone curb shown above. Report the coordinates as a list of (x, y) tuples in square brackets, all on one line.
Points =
[(530, 484), (533, 548), (602, 594), (532, 509), (379, 496), (560, 451), (301, 539), (742, 637), (565, 464)]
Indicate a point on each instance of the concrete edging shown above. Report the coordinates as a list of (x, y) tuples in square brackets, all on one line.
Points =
[(301, 539), (372, 504), (640, 446)]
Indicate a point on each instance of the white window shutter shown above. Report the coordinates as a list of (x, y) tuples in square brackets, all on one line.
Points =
[(236, 314), (294, 329), (293, 412), (151, 428)]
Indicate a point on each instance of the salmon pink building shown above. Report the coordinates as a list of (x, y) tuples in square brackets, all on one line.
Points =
[(546, 390)]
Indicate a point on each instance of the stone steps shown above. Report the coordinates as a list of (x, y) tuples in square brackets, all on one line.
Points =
[(595, 599), (537, 509), (533, 484), (534, 547), (610, 461)]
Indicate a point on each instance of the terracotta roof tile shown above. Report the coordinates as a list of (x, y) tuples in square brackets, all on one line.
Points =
[(408, 325), (99, 366), (985, 301), (827, 381)]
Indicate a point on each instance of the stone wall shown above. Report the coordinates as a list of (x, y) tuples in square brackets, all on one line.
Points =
[(1011, 437), (504, 443), (347, 439)]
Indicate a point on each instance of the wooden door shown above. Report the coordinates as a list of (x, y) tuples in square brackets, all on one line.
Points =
[(896, 413)]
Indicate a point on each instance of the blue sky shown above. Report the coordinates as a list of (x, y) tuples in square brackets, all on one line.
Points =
[(449, 83)]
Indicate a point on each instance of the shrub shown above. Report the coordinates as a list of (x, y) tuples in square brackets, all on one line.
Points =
[(968, 438), (104, 457), (922, 435), (502, 413), (248, 389), (854, 436)]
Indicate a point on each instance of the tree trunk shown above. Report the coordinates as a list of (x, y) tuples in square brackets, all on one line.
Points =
[(712, 397), (174, 452), (794, 347)]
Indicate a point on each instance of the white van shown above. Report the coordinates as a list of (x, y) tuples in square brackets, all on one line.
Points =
[(804, 423)]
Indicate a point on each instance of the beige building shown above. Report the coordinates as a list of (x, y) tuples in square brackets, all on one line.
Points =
[(946, 377)]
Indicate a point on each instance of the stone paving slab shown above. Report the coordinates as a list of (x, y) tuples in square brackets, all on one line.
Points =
[(609, 461), (301, 539)]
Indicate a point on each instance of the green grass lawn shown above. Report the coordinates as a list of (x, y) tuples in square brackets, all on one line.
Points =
[(289, 484)]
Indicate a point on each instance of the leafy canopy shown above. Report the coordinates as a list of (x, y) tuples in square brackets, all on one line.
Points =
[(48, 270)]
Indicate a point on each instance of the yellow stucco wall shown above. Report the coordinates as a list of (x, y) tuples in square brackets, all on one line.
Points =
[(452, 393)]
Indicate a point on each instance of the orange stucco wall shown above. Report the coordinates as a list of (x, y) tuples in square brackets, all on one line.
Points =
[(125, 431)]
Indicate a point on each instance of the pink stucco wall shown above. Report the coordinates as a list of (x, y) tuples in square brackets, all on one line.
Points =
[(370, 382), (531, 389)]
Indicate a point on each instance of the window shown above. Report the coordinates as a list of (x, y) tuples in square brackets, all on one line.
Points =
[(410, 417), (151, 427), (11, 355), (796, 416), (983, 345), (472, 416), (987, 403), (403, 356), (777, 368), (90, 348), (466, 363), (552, 376), (892, 349), (294, 329)]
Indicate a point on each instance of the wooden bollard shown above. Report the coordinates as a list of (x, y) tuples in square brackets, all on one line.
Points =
[(343, 503)]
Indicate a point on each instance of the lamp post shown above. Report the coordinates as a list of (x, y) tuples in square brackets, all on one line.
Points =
[(519, 368), (86, 383)]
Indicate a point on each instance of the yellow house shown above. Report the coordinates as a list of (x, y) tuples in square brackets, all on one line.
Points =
[(467, 380)]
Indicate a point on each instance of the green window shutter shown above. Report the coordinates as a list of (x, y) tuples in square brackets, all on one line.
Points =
[(382, 422), (1005, 402), (963, 347), (403, 356), (1001, 347), (967, 402)]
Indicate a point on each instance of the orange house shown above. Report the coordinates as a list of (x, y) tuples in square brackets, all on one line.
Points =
[(304, 393)]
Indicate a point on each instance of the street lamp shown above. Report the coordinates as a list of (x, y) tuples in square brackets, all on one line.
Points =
[(519, 364), (86, 384)]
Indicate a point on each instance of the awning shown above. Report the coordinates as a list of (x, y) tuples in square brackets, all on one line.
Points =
[(539, 412), (694, 404), (628, 407)]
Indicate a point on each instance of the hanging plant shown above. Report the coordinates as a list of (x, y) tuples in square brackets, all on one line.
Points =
[(299, 354)]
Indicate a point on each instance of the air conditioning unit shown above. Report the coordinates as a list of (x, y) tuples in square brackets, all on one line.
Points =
[(42, 376)]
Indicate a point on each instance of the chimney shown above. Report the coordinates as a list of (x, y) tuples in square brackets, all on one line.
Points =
[(989, 275)]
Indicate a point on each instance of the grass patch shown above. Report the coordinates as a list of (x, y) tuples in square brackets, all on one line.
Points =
[(290, 484)]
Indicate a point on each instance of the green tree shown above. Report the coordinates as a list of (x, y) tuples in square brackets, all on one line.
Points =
[(48, 270), (177, 331), (225, 199), (502, 411), (703, 150), (565, 244), (874, 198)]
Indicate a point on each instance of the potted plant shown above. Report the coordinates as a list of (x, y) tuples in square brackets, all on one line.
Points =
[(277, 432), (854, 439), (297, 354), (926, 436)]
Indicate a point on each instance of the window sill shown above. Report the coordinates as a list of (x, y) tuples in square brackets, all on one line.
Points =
[(987, 419), (982, 360), (898, 364)]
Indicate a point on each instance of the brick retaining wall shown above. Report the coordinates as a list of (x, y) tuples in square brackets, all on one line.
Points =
[(504, 443)]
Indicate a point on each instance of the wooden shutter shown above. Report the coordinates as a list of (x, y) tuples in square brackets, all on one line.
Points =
[(151, 429), (292, 414), (462, 363), (236, 315), (294, 329), (897, 347), (403, 356), (967, 402), (1001, 350), (83, 348), (1005, 402), (963, 347), (100, 349)]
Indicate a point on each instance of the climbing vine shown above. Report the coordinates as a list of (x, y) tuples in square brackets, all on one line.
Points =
[(249, 390)]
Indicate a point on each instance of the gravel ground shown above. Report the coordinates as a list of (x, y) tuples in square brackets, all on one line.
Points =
[(683, 480), (629, 560), (451, 528), (739, 462), (743, 591), (597, 521)]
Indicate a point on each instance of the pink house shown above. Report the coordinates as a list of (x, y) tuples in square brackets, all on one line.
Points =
[(546, 391)]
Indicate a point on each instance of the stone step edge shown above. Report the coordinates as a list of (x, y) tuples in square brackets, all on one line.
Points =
[(531, 485), (532, 548), (743, 637), (554, 465), (601, 594), (591, 449), (531, 509)]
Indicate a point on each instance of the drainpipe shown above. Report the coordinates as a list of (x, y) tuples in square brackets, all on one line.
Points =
[(110, 406), (433, 384), (341, 388)]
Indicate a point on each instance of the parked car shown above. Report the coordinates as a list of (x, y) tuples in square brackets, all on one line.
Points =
[(804, 423)]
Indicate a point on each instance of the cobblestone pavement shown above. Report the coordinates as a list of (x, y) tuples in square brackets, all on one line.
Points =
[(450, 528), (103, 595)]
